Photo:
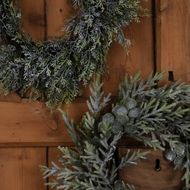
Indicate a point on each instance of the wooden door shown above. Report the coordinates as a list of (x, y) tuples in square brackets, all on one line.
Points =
[(29, 133)]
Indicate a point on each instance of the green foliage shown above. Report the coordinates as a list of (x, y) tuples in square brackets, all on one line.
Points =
[(53, 70), (158, 116), (92, 165)]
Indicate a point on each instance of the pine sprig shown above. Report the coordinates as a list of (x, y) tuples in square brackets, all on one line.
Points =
[(131, 159), (92, 164)]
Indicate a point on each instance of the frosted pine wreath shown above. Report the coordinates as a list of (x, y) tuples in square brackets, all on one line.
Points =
[(53, 70), (158, 117)]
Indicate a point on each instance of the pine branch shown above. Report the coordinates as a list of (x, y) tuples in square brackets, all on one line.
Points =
[(156, 116)]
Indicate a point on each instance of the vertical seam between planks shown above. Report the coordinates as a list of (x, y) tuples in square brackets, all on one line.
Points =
[(154, 31), (45, 20), (47, 164), (22, 166)]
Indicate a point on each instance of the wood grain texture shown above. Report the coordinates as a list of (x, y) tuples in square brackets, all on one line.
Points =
[(144, 176), (23, 124), (31, 124), (58, 12), (20, 168), (33, 18), (139, 56), (173, 29), (53, 155)]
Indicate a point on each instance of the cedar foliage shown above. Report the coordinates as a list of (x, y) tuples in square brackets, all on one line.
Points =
[(157, 116), (53, 70)]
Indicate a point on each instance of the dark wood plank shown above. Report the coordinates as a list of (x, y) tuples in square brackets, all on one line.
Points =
[(173, 42)]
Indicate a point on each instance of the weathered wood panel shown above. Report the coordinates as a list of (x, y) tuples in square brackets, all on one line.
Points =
[(173, 29), (33, 18), (139, 56), (144, 175), (58, 13), (20, 168), (33, 124)]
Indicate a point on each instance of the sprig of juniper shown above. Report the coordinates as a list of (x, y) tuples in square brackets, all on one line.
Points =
[(158, 116), (92, 164), (53, 70)]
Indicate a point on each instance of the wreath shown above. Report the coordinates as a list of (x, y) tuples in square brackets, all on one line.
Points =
[(52, 71), (157, 116)]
